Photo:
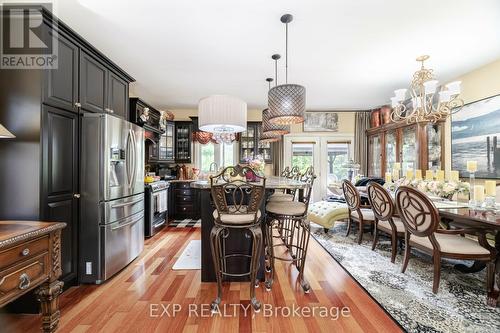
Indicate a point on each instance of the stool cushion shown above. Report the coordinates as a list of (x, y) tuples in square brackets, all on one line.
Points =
[(455, 244), (384, 225), (327, 213), (236, 218), (279, 196), (293, 208), (367, 214)]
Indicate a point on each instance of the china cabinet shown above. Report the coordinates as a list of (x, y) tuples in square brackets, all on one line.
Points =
[(250, 145), (416, 146), (183, 131)]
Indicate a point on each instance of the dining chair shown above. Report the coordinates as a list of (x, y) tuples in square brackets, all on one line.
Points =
[(363, 215), (237, 206), (289, 219), (422, 231), (384, 210)]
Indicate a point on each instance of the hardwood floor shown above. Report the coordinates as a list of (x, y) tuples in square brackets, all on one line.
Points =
[(141, 299)]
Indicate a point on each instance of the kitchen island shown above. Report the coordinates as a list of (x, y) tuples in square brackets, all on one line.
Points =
[(237, 241)]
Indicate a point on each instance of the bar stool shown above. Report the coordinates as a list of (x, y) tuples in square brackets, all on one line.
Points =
[(289, 218), (289, 195), (237, 205)]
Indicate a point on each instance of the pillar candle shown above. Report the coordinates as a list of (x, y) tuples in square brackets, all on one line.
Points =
[(472, 166), (440, 175), (454, 176), (388, 177), (395, 174), (409, 173), (490, 187), (429, 175), (397, 166), (418, 174), (479, 193)]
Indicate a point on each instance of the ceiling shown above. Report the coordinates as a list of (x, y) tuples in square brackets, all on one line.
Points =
[(348, 54)]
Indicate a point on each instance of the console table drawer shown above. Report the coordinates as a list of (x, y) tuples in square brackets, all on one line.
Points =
[(183, 185), (184, 192), (23, 277), (180, 199), (184, 208), (24, 251)]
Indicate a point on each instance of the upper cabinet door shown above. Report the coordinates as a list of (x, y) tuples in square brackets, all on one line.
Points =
[(117, 96), (60, 88), (93, 82)]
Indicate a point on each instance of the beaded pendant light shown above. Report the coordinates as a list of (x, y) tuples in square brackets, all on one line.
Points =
[(287, 102), (268, 128)]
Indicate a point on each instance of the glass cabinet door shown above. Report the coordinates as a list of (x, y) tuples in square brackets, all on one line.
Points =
[(374, 160), (263, 147), (248, 143), (408, 148), (434, 146), (167, 143), (390, 150)]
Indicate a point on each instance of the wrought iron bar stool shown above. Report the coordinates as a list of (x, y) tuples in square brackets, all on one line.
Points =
[(237, 205), (289, 218), (289, 195)]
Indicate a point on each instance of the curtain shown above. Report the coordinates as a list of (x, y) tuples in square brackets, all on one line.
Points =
[(278, 157), (362, 123)]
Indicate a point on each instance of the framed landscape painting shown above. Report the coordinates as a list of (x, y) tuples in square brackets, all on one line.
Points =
[(318, 121), (475, 136)]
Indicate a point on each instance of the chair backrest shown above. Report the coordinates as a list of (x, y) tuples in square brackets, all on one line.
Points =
[(417, 212), (285, 172), (233, 194), (351, 195), (308, 177), (381, 202), (294, 173)]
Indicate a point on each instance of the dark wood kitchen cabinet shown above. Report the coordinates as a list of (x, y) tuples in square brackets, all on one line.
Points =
[(40, 166), (183, 134), (186, 201)]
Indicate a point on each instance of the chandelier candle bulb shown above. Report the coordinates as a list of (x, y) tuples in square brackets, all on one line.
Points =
[(388, 177), (395, 174), (471, 166), (479, 194), (429, 175), (430, 86), (490, 187), (418, 174), (440, 175), (454, 87), (454, 176)]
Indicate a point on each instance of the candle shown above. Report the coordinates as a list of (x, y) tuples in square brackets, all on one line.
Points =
[(479, 193), (388, 177), (418, 174), (440, 175), (395, 174), (409, 173), (472, 166), (454, 176), (429, 175), (490, 187), (397, 166)]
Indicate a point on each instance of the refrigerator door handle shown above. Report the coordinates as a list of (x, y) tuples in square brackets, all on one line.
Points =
[(127, 203), (119, 226), (134, 161), (129, 156)]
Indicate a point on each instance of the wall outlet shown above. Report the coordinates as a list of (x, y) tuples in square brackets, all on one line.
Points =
[(88, 268)]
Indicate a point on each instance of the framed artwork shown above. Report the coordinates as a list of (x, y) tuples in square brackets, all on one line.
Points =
[(318, 121), (475, 136)]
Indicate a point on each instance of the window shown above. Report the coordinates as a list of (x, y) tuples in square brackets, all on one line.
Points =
[(222, 154), (302, 155), (338, 154)]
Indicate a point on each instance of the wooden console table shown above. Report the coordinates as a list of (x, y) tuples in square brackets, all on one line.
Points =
[(30, 257)]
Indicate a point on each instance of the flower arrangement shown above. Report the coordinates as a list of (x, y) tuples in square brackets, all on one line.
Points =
[(257, 164), (443, 189)]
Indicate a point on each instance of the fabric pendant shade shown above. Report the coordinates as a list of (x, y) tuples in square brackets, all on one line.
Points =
[(222, 114), (272, 129), (287, 104)]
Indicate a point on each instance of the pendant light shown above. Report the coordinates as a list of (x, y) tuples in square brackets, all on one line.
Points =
[(222, 114), (287, 102), (268, 128)]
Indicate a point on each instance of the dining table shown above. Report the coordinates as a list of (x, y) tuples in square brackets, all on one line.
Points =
[(476, 221), (237, 240)]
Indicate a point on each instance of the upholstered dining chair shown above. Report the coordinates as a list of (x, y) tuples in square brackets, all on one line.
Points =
[(384, 210), (237, 206), (421, 220), (358, 213)]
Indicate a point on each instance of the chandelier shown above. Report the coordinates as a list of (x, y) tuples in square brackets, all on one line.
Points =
[(287, 102), (425, 105), (225, 137), (222, 114)]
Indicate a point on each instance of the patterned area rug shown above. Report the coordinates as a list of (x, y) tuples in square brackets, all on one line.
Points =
[(187, 223), (459, 306)]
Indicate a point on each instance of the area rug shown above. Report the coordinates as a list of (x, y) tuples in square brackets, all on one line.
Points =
[(459, 306), (190, 257)]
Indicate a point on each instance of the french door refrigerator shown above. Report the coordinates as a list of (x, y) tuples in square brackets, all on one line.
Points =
[(112, 196)]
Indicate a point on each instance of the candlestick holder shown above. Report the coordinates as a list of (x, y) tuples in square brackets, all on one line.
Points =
[(472, 183)]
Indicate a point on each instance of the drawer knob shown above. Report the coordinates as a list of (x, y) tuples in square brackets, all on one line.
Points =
[(25, 252), (24, 281)]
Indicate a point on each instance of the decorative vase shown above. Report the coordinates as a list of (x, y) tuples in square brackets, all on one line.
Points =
[(375, 118)]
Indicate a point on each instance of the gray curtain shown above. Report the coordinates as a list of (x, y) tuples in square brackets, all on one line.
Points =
[(278, 157), (362, 123)]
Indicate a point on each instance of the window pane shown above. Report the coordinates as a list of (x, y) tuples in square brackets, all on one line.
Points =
[(338, 154), (302, 155), (228, 154), (207, 156)]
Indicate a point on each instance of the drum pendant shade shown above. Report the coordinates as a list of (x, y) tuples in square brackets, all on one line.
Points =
[(222, 114), (287, 104), (272, 129)]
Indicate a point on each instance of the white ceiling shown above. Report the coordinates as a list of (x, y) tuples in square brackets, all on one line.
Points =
[(348, 54)]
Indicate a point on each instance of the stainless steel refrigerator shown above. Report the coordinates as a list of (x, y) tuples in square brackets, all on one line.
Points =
[(112, 196)]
